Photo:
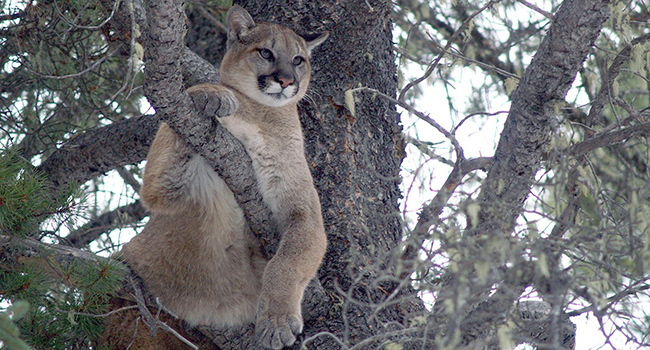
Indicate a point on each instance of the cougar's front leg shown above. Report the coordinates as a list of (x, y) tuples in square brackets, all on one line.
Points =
[(286, 276)]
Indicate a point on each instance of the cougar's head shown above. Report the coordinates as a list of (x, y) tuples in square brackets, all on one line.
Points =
[(267, 62)]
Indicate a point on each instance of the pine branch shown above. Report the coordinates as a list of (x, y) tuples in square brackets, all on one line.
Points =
[(315, 301), (49, 255), (64, 255)]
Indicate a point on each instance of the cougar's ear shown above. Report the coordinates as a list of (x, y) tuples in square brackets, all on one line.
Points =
[(315, 40), (239, 22)]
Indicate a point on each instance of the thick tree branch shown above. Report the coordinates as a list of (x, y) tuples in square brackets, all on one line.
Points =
[(530, 122), (95, 152), (196, 70), (607, 138)]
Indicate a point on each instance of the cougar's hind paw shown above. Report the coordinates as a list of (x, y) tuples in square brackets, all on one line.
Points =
[(277, 332)]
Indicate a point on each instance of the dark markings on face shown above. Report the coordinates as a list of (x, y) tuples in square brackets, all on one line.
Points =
[(262, 82)]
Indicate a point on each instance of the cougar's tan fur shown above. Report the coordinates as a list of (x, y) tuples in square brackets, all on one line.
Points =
[(196, 253)]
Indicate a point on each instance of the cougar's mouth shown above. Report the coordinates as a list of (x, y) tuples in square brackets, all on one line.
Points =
[(272, 88)]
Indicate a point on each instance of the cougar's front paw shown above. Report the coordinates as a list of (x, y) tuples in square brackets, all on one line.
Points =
[(276, 331), (212, 101)]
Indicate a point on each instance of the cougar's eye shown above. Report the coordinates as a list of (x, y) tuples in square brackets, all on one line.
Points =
[(266, 54), (298, 60)]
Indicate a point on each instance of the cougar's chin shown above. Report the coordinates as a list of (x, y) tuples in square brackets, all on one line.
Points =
[(271, 99)]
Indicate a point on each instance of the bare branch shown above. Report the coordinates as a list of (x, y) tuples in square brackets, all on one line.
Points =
[(120, 217), (607, 139), (73, 75), (424, 117), (128, 178), (536, 9), (429, 214), (604, 96), (488, 55), (486, 66), (154, 323), (98, 26), (450, 42), (424, 148)]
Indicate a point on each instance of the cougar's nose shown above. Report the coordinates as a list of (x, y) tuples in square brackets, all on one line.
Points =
[(285, 82)]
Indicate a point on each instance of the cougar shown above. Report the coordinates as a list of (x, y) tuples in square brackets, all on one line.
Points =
[(196, 254)]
